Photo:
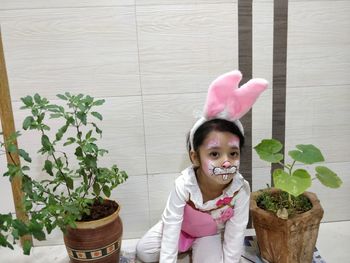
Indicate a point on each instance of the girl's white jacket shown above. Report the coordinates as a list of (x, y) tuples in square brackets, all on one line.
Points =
[(186, 188)]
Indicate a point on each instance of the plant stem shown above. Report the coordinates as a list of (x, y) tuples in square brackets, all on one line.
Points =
[(55, 159)]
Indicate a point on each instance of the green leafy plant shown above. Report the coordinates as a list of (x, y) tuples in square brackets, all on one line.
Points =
[(75, 183), (293, 181)]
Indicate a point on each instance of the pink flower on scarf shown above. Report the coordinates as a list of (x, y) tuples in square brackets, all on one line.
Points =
[(224, 201), (226, 214)]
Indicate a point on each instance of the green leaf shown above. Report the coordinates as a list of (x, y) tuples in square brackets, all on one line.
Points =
[(88, 99), (41, 117), (25, 168), (90, 161), (62, 97), (12, 148), (269, 150), (61, 131), (27, 122), (24, 155), (294, 184), (20, 226), (97, 129), (70, 183), (98, 102), (88, 135), (82, 117), (106, 191), (327, 177), (55, 115), (28, 101), (37, 231), (96, 188), (37, 98), (97, 115), (59, 162), (27, 246), (69, 141), (45, 142), (307, 154), (48, 167), (78, 152), (4, 242)]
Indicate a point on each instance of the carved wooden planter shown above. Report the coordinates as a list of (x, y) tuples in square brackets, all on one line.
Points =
[(287, 241), (96, 241)]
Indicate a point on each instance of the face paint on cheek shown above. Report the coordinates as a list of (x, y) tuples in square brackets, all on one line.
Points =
[(209, 167)]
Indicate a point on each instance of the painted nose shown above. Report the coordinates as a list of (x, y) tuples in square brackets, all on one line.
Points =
[(226, 164)]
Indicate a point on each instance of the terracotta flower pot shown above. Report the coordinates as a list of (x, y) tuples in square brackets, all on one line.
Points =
[(95, 241), (287, 241)]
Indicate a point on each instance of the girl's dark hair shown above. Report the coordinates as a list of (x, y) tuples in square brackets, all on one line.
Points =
[(214, 125)]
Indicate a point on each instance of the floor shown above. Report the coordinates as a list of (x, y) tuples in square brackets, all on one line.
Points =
[(332, 243)]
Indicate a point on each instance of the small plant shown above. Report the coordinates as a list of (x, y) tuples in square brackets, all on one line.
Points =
[(73, 188), (293, 182)]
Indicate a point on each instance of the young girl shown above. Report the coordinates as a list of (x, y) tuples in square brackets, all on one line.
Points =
[(208, 209)]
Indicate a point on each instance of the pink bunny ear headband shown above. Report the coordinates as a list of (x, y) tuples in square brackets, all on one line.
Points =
[(226, 101)]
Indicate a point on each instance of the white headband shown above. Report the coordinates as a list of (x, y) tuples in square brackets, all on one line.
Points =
[(228, 102)]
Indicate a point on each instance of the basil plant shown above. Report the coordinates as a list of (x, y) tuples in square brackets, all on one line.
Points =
[(74, 181)]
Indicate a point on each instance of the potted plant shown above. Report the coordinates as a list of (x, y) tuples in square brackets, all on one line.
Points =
[(73, 195), (286, 218)]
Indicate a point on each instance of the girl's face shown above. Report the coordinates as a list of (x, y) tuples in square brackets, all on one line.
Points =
[(219, 156)]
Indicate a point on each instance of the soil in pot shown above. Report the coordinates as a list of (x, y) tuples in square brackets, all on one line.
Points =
[(100, 210), (274, 201)]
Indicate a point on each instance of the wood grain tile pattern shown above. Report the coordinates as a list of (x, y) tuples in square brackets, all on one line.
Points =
[(318, 43), (159, 188), (245, 30), (133, 197), (184, 47), (168, 119), (319, 115), (181, 2), (94, 50), (49, 4), (263, 41)]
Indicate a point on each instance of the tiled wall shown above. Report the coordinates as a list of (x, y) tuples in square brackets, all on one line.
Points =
[(153, 60)]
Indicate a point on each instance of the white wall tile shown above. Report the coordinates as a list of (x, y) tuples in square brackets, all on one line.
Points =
[(261, 123), (133, 198), (53, 50), (261, 177), (318, 43), (168, 119), (263, 40), (45, 4), (183, 47), (181, 2), (6, 204), (159, 187), (319, 115)]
